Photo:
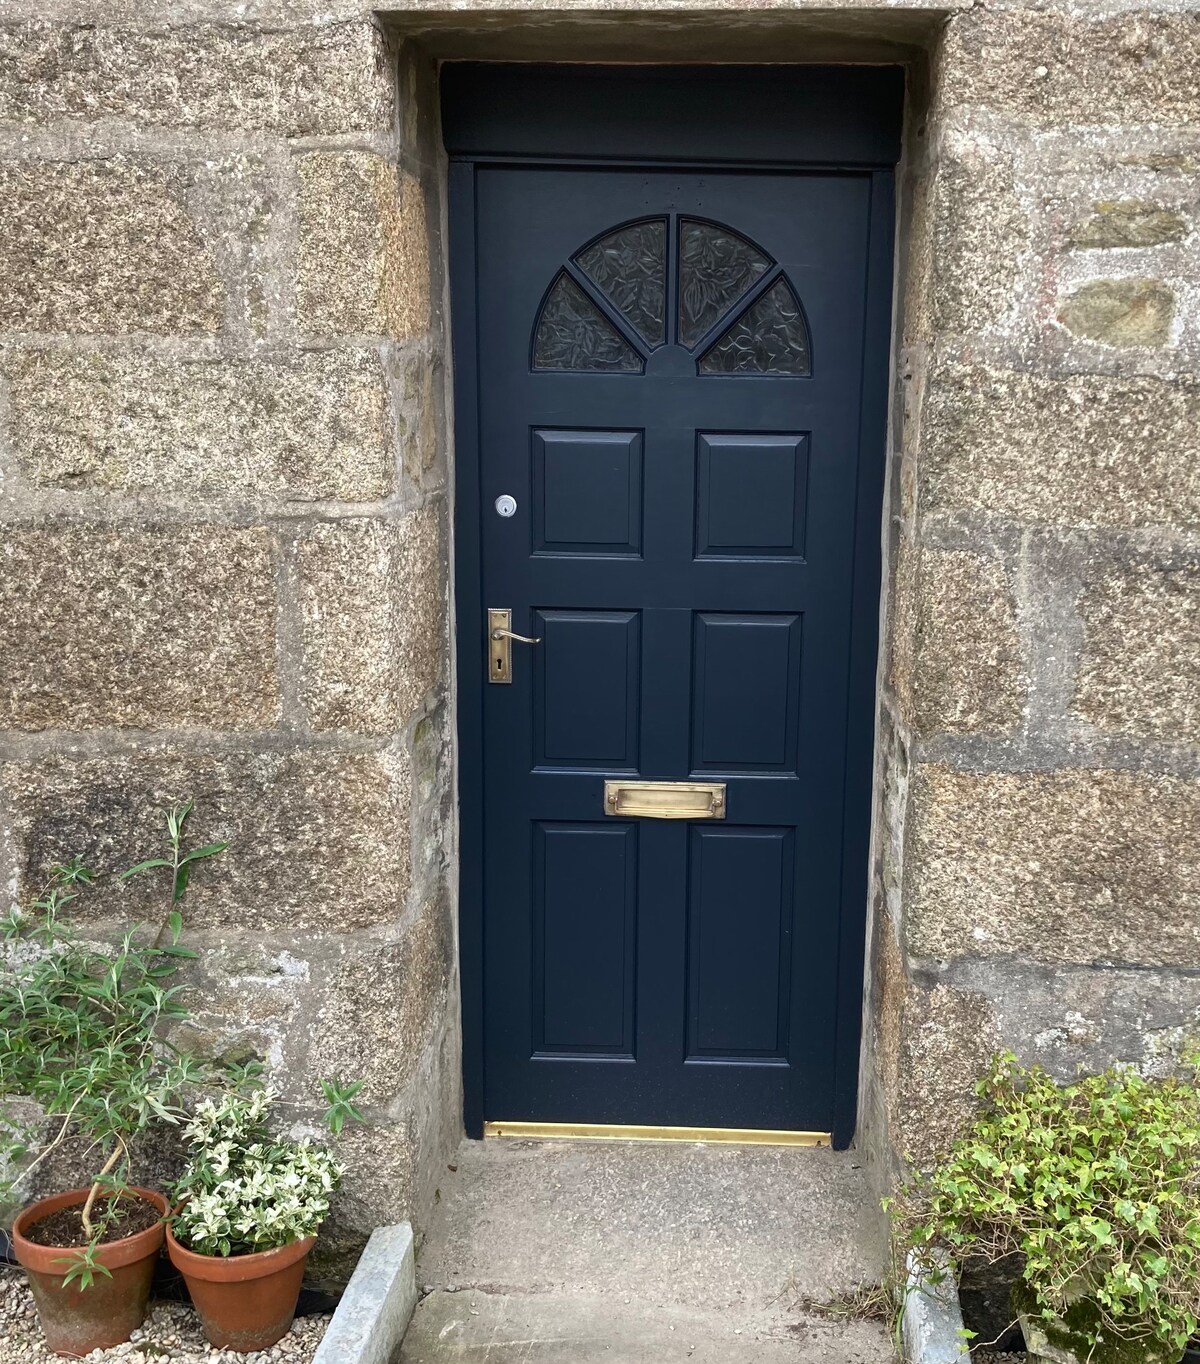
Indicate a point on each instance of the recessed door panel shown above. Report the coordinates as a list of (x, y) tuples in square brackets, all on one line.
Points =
[(751, 496), (587, 492), (740, 896), (586, 698), (747, 692), (585, 914)]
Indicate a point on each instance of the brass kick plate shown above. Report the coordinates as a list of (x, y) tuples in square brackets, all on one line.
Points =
[(584, 1131), (665, 799)]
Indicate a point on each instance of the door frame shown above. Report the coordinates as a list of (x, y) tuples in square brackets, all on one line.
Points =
[(834, 118)]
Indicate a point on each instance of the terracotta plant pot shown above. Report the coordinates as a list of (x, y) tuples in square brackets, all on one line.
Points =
[(245, 1302), (76, 1321)]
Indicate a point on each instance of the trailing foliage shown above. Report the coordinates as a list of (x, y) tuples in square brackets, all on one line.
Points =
[(82, 1031), (1095, 1185), (245, 1189)]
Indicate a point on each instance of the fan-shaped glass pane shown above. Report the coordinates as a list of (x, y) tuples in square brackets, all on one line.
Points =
[(572, 333), (630, 266), (716, 267), (771, 337)]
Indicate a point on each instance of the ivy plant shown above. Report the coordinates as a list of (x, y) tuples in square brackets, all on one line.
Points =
[(83, 1032), (1094, 1186)]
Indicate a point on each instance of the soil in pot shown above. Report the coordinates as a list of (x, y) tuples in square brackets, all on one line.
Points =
[(245, 1302), (76, 1321), (64, 1229)]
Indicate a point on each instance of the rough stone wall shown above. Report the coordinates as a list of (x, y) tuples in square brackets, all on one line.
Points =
[(1038, 879), (223, 530)]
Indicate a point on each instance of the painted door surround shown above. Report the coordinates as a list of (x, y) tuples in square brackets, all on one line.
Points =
[(671, 306)]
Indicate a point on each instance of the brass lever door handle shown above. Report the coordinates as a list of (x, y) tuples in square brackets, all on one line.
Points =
[(521, 639), (500, 636)]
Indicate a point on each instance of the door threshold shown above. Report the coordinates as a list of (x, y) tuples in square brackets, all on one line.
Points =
[(585, 1131)]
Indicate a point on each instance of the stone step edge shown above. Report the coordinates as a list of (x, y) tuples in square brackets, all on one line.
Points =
[(374, 1312)]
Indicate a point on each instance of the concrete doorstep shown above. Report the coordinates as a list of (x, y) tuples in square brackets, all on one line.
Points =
[(627, 1253)]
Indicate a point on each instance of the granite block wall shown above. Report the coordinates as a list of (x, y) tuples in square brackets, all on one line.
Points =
[(224, 533), (1038, 886), (224, 480)]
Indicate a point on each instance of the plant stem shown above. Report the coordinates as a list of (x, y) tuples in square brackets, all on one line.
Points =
[(86, 1215), (59, 1138)]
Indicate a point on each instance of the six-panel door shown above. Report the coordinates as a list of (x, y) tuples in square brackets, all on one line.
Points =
[(670, 370)]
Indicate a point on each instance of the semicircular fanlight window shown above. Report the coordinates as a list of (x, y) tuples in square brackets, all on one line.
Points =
[(573, 334), (716, 267), (770, 337), (736, 311), (630, 267)]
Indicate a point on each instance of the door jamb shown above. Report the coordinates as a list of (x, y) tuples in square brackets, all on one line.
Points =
[(861, 698)]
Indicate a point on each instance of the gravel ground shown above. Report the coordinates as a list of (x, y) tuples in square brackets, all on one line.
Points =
[(171, 1332)]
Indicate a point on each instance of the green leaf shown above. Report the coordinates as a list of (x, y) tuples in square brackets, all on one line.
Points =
[(182, 877), (209, 850), (143, 866)]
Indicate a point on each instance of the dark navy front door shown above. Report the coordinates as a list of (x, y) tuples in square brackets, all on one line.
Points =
[(670, 390)]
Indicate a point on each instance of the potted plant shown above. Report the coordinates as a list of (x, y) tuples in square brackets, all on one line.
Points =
[(250, 1206), (1094, 1189), (82, 1045)]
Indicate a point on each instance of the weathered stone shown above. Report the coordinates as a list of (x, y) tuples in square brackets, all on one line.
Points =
[(244, 998), (143, 629), (959, 661), (382, 1006), (948, 1038), (1083, 450), (1052, 68), (364, 250), (1140, 670), (421, 421), (103, 246), (1120, 312), (1073, 1018), (978, 233), (323, 78), (1065, 866), (317, 840), (373, 597), (917, 246), (381, 1175), (298, 425), (1128, 222)]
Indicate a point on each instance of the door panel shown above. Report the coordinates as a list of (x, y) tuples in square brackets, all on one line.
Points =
[(751, 496), (587, 492), (746, 693), (670, 371), (587, 683), (584, 946), (740, 907)]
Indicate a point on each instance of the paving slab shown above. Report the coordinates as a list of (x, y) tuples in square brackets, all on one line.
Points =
[(624, 1252)]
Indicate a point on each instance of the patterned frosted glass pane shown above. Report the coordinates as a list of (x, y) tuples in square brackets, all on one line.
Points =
[(572, 333), (769, 338), (630, 265), (716, 267)]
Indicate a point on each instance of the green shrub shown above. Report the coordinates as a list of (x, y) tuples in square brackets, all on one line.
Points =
[(83, 1032), (1095, 1185)]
